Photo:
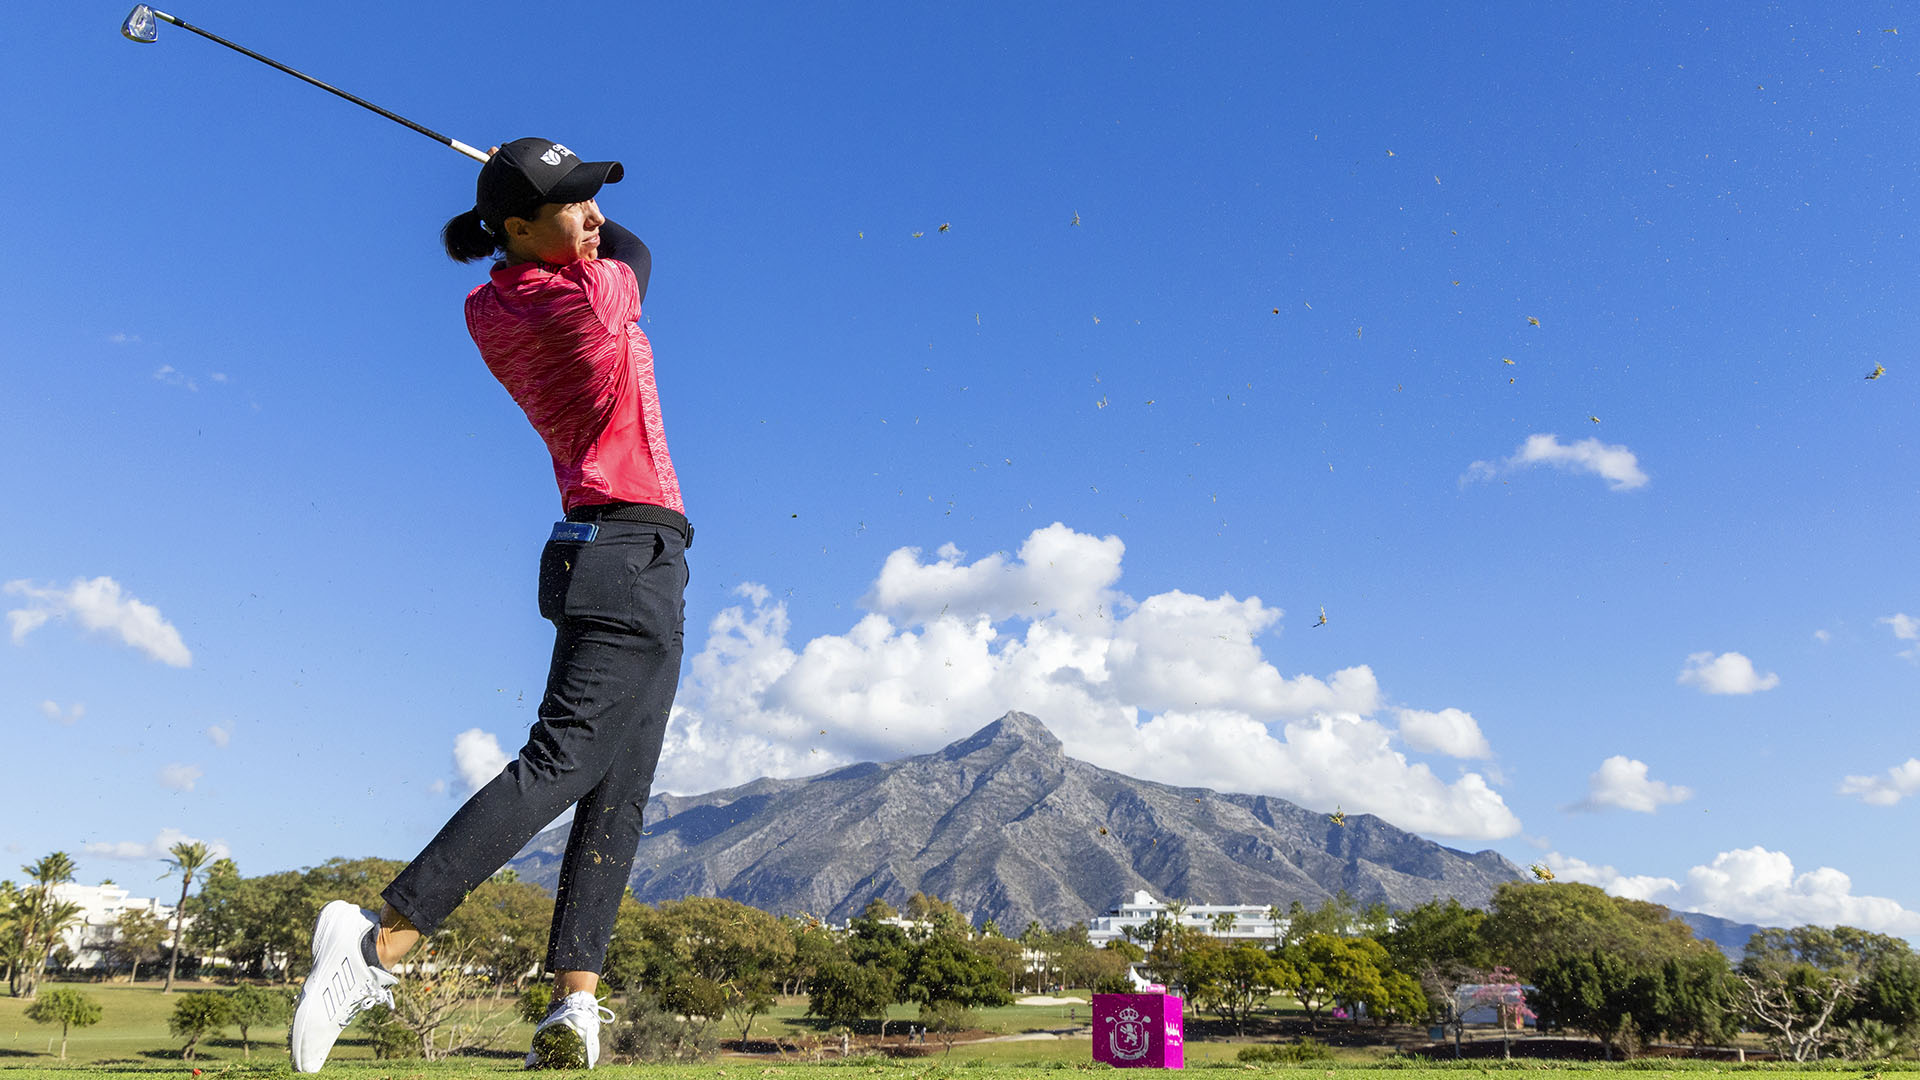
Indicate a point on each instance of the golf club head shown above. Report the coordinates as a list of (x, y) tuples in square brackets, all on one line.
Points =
[(139, 25)]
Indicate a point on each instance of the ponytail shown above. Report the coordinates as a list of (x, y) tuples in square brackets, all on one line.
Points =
[(467, 238)]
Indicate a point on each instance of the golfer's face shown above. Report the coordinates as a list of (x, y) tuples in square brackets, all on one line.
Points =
[(564, 233)]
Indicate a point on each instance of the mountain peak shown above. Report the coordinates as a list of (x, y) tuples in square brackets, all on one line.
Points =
[(1015, 730), (1005, 825)]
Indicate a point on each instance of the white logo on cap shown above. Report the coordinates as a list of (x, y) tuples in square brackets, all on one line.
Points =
[(553, 156)]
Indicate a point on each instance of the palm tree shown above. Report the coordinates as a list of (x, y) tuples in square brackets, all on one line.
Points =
[(188, 857), (12, 914), (38, 926)]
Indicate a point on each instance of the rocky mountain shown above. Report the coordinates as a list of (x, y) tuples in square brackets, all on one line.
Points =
[(1005, 826), (1730, 936)]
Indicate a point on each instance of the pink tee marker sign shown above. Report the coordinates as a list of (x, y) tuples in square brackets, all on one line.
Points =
[(1138, 1031)]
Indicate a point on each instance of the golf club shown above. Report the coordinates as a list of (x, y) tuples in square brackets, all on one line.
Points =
[(140, 27)]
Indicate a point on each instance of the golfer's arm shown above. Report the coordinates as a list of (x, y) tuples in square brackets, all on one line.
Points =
[(617, 243)]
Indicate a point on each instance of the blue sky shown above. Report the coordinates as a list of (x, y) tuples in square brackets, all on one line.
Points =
[(1216, 338)]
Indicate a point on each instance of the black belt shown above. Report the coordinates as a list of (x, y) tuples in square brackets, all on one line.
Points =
[(644, 513)]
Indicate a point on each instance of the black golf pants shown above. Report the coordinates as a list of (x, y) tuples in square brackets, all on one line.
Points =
[(617, 607)]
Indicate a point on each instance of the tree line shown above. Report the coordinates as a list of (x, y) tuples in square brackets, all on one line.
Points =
[(1621, 971)]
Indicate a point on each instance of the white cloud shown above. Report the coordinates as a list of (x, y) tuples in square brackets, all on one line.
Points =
[(219, 736), (1905, 628), (438, 787), (1633, 887), (1175, 687), (158, 849), (173, 376), (1728, 673), (179, 777), (1449, 731), (1754, 885), (99, 604), (477, 757), (1614, 464), (1623, 782), (1823, 636), (69, 715), (121, 337), (1885, 790)]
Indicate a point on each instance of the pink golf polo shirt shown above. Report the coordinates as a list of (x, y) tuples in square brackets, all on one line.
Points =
[(563, 341)]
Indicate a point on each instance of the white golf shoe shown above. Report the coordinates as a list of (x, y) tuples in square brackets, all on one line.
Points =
[(340, 985), (569, 1038)]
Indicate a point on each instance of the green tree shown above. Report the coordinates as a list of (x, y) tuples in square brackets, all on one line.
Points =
[(12, 911), (747, 999), (137, 937), (1440, 944), (210, 930), (1007, 956), (68, 1008), (1890, 995), (1335, 917), (813, 945), (1084, 966), (188, 856), (940, 916), (1698, 993), (196, 1016), (1330, 968), (40, 918), (946, 967), (1234, 982), (250, 1006), (1798, 986), (270, 919), (503, 924), (1603, 994), (1534, 923), (704, 956), (881, 949), (842, 992), (1172, 938)]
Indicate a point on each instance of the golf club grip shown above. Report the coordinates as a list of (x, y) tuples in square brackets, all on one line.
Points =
[(477, 155)]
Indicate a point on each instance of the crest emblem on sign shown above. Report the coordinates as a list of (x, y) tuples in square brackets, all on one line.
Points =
[(1130, 1034)]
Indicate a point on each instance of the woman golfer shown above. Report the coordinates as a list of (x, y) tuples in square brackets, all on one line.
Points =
[(555, 324)]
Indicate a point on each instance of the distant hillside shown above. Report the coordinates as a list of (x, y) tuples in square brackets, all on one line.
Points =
[(1005, 826), (1729, 935)]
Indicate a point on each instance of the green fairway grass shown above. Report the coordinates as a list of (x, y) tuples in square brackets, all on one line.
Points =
[(864, 1069), (132, 1040)]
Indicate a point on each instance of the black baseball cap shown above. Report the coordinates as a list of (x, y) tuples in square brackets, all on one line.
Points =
[(528, 172)]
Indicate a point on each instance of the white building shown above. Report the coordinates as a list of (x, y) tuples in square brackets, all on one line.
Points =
[(100, 908), (1234, 922)]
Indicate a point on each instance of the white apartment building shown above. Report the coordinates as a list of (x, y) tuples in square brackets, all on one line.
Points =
[(1241, 922), (100, 908)]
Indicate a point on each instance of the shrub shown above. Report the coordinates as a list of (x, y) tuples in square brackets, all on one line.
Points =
[(197, 1016), (650, 1034), (68, 1008), (535, 1000), (1286, 1053), (390, 1038)]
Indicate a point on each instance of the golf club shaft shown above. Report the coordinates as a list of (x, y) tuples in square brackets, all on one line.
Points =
[(477, 155)]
